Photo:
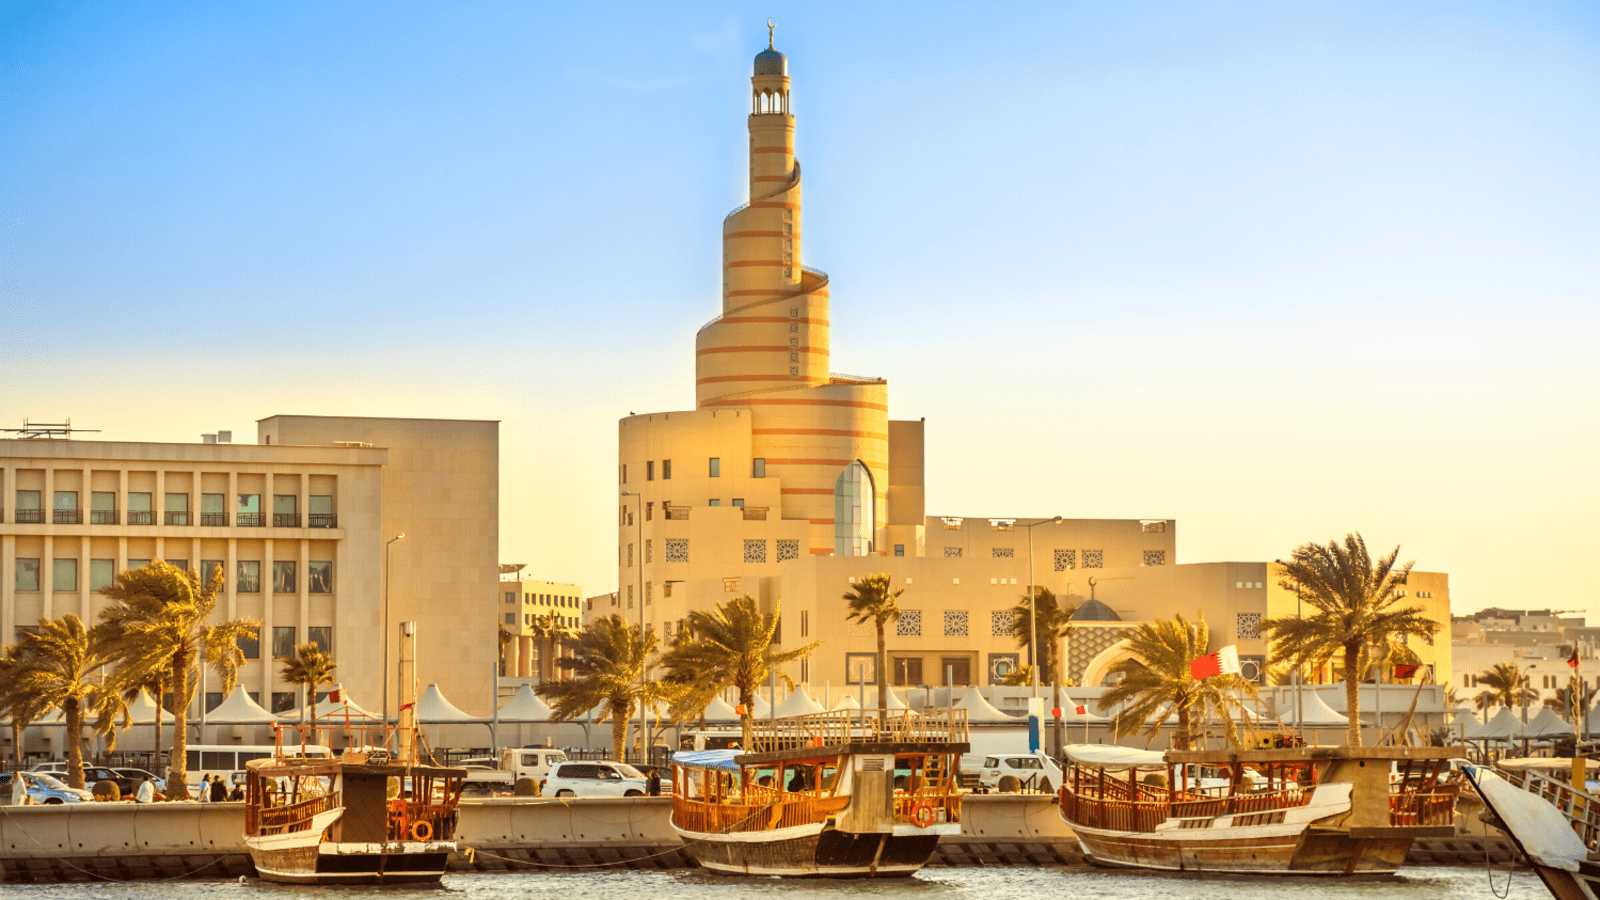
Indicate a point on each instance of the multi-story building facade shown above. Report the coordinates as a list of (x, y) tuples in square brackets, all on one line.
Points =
[(786, 482), (524, 603), (298, 524), (1539, 642)]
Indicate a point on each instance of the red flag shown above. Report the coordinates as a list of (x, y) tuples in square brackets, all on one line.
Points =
[(408, 706), (739, 710), (333, 696), (1402, 672), (1573, 659), (1081, 710), (1221, 662)]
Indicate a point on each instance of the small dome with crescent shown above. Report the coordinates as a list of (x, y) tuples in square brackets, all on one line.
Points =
[(771, 62), (1095, 611)]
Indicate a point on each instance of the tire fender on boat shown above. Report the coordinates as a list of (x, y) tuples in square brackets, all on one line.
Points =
[(922, 815)]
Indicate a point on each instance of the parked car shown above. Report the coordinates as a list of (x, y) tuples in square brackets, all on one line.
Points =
[(43, 788), (92, 775), (1035, 771), (603, 778), (135, 776), (485, 774)]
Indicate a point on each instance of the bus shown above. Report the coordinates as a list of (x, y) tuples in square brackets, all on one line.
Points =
[(227, 761)]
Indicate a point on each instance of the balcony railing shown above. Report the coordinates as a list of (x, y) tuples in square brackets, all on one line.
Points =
[(251, 520), (678, 513), (755, 513), (176, 517), (30, 517), (214, 520), (323, 520), (102, 517), (68, 517), (285, 520), (140, 517)]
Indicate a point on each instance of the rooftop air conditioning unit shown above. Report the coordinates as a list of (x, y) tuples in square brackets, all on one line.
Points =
[(224, 437), (208, 438)]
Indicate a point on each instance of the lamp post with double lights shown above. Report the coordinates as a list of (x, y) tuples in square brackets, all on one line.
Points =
[(386, 546), (638, 519)]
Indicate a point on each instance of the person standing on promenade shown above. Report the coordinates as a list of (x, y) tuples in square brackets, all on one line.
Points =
[(147, 791), (205, 789), (653, 786), (219, 791)]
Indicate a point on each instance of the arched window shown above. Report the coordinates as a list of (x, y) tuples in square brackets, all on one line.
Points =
[(854, 511)]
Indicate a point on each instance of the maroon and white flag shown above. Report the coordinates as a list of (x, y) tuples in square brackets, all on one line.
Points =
[(1221, 662)]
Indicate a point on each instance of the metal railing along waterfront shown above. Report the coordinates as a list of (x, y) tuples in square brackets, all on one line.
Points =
[(940, 726)]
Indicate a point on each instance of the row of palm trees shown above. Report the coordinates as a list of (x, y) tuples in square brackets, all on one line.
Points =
[(154, 636)]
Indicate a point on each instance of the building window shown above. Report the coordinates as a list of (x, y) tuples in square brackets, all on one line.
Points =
[(624, 473), (649, 592), (209, 569), (956, 671), (758, 468), (955, 623), (283, 641), (282, 701), (249, 513), (649, 511), (630, 556), (677, 550), (907, 670), (285, 511), (27, 574), (787, 550), (1066, 559), (320, 576), (249, 576), (666, 470), (102, 508), (899, 549), (714, 502), (854, 511), (1002, 623), (64, 575), (283, 581), (66, 510), (650, 470), (511, 618), (322, 636), (1094, 559), (138, 563), (1155, 557), (28, 511), (102, 573), (1157, 527), (250, 645), (322, 515), (716, 467), (511, 596), (649, 550), (139, 508), (952, 552), (212, 511), (909, 624), (630, 596), (1249, 626), (755, 551), (738, 501), (177, 509), (805, 623)]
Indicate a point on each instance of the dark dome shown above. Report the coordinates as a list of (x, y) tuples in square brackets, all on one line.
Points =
[(771, 62), (1095, 611)]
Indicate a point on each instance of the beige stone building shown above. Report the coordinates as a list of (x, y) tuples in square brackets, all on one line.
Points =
[(523, 602), (298, 523), (787, 481)]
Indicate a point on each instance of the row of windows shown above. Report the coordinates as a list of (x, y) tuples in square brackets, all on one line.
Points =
[(1548, 682), (552, 599), (247, 511), (906, 671), (284, 638), (102, 572), (563, 621), (758, 469)]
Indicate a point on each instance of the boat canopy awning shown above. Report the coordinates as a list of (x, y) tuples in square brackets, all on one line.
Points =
[(720, 760), (1112, 755), (1559, 764)]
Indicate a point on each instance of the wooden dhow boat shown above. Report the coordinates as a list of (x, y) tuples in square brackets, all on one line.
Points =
[(362, 817), (845, 794), (1555, 825), (1290, 811)]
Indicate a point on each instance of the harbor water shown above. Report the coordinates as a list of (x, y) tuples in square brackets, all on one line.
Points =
[(1000, 883)]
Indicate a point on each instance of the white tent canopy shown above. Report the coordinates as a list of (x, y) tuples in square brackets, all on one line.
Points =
[(142, 709), (237, 709), (434, 709), (1113, 755), (981, 712), (760, 708), (1315, 712), (1547, 724), (338, 710), (799, 703), (1069, 712), (718, 711), (1503, 727), (525, 706), (848, 701)]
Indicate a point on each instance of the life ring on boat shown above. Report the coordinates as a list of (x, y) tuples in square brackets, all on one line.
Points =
[(922, 815), (421, 831)]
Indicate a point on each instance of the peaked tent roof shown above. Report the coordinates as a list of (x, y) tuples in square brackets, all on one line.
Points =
[(848, 701), (433, 708), (1504, 726), (1547, 724), (1069, 712), (799, 703), (759, 708), (1315, 711), (980, 711), (525, 706), (142, 709), (237, 709), (894, 701), (718, 711), (329, 709)]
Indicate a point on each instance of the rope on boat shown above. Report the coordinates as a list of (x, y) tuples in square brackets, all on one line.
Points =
[(1488, 867), (92, 874)]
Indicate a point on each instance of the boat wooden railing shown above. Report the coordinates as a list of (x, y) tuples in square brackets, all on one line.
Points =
[(939, 726), (294, 817), (753, 814), (946, 807), (1118, 813), (1580, 807), (1113, 815), (405, 814)]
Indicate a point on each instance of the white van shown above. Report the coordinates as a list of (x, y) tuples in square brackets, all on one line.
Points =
[(227, 762)]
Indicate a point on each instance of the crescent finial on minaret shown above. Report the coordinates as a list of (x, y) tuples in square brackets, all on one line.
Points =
[(769, 33)]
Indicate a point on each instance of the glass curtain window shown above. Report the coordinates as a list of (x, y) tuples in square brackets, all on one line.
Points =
[(249, 576), (209, 569), (322, 636), (283, 641), (250, 646), (283, 577), (27, 574), (319, 576), (854, 511)]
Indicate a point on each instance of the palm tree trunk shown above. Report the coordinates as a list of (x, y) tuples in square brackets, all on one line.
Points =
[(1352, 692), (1184, 740), (74, 715), (883, 675), (177, 766), (746, 719), (620, 711)]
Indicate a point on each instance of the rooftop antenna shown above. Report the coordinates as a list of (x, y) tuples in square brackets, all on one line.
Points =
[(47, 430)]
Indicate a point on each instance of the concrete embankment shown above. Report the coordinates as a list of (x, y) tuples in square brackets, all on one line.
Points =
[(121, 841)]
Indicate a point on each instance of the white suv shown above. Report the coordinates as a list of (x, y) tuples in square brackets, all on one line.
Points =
[(602, 778), (1036, 772)]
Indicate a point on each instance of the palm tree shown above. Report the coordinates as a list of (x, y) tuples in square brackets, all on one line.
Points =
[(505, 637), (1567, 700), (23, 707), (1354, 603), (548, 628), (608, 662), (157, 620), (59, 666), (729, 646), (871, 599), (152, 684), (1156, 682), (1507, 686), (308, 667)]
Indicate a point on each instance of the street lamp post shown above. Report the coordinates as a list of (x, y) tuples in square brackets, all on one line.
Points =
[(1033, 613), (386, 546), (638, 519)]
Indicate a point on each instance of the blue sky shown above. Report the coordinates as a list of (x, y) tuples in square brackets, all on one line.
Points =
[(1278, 271)]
